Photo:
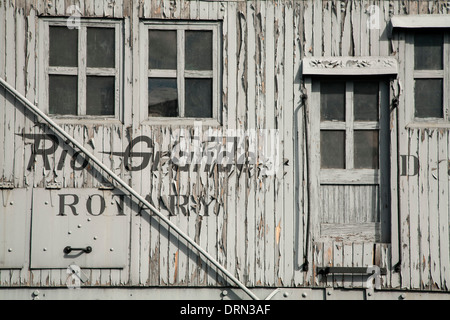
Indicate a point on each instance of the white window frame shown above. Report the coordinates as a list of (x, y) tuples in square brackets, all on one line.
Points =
[(411, 75), (180, 74), (377, 231), (82, 71), (349, 175), (407, 25)]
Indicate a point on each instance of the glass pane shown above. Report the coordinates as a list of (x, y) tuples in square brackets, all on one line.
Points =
[(198, 50), (332, 149), (101, 47), (366, 149), (63, 47), (63, 92), (162, 97), (428, 51), (100, 96), (365, 100), (332, 101), (162, 49), (198, 101), (429, 98)]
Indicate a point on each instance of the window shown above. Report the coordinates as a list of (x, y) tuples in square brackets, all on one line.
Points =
[(82, 69), (431, 51), (349, 130), (181, 66), (348, 146)]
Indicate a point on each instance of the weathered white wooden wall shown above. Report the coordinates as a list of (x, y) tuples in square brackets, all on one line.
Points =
[(255, 225)]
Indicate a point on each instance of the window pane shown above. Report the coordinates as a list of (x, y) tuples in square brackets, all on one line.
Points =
[(100, 96), (198, 50), (63, 92), (366, 100), (428, 51), (162, 97), (366, 149), (198, 98), (332, 149), (429, 98), (63, 47), (162, 49), (332, 101), (101, 47)]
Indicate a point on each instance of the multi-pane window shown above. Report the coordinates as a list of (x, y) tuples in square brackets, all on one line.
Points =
[(182, 70), (82, 69), (349, 126), (431, 84)]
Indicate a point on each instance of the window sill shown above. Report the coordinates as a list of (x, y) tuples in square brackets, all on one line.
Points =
[(86, 120), (428, 124), (181, 122), (363, 232)]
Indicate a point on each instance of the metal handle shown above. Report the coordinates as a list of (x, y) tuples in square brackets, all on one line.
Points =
[(69, 249)]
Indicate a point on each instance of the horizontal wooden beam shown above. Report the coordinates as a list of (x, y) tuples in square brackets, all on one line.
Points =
[(350, 66), (421, 21)]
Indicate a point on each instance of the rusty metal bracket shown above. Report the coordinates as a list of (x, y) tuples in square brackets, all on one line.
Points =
[(348, 270)]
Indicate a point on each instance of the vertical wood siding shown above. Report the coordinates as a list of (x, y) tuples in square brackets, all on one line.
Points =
[(254, 224)]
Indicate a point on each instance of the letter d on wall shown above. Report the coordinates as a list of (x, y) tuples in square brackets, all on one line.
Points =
[(409, 166)]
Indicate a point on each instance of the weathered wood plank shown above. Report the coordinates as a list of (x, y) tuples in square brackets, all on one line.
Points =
[(9, 106), (444, 211), (328, 260), (347, 47), (260, 112), (299, 144), (347, 262), (394, 188), (338, 256), (364, 35), (358, 250), (250, 183), (241, 124), (3, 92), (303, 26), (423, 213), (403, 180), (269, 186), (167, 193), (277, 156), (356, 26), (19, 109), (290, 215), (212, 203), (168, 237), (413, 186), (374, 21), (145, 177), (326, 31), (433, 209), (155, 247), (317, 31), (336, 28), (89, 8), (99, 8)]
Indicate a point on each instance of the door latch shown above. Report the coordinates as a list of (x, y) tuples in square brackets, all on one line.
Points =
[(69, 249)]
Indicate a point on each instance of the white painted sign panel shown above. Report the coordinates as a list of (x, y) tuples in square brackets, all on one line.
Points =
[(14, 213), (84, 227)]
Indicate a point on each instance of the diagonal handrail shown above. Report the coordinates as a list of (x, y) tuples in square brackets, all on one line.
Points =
[(61, 131)]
